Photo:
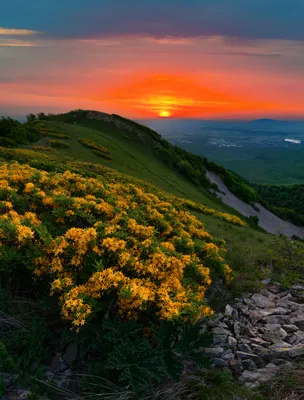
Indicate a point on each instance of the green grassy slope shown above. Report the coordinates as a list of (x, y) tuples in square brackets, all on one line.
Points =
[(128, 156), (137, 158)]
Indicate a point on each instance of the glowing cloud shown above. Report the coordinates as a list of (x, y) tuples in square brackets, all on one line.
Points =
[(16, 32), (171, 41), (166, 96)]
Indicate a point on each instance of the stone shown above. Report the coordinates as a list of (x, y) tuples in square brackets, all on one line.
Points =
[(254, 379), (274, 333), (214, 322), (227, 355), (282, 362), (290, 328), (245, 341), (257, 348), (255, 316), (218, 362), (58, 363), (292, 339), (16, 394), (236, 366), (298, 291), (220, 339), (262, 301), (249, 331), (296, 351), (221, 331), (229, 310), (232, 342), (274, 289), (279, 344), (244, 347), (71, 353), (259, 341), (237, 329), (63, 379), (285, 352), (266, 281), (276, 319), (249, 364), (243, 356), (8, 379), (214, 351), (299, 322)]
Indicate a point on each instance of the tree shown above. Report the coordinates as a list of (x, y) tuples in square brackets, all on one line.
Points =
[(31, 117)]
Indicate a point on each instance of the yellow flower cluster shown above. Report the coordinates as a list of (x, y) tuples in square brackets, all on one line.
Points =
[(109, 240), (43, 148), (94, 146)]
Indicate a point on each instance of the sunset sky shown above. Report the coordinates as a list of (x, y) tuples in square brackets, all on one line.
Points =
[(160, 58)]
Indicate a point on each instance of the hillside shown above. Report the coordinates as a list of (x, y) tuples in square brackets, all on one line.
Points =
[(113, 251)]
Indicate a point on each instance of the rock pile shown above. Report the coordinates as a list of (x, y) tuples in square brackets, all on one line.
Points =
[(259, 334)]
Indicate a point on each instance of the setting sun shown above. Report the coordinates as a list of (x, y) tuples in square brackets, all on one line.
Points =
[(165, 114)]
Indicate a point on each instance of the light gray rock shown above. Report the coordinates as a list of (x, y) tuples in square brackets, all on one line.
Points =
[(232, 342), (274, 333), (236, 366), (296, 351), (299, 322), (17, 394), (249, 365), (219, 362), (254, 379), (214, 351), (221, 331), (237, 329), (260, 341), (215, 322), (290, 328), (245, 341), (276, 319), (221, 340), (243, 355), (274, 289), (291, 339), (227, 355), (286, 352), (244, 347), (280, 344), (251, 332), (262, 301), (229, 310), (8, 379)]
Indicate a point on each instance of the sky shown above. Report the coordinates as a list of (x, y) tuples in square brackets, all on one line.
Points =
[(151, 59)]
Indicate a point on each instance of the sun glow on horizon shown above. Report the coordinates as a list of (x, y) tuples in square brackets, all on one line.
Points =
[(165, 114)]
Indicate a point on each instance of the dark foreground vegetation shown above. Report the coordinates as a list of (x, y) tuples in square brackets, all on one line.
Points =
[(110, 278)]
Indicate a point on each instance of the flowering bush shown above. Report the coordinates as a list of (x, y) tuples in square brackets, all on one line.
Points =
[(104, 245), (58, 143), (43, 148), (94, 146)]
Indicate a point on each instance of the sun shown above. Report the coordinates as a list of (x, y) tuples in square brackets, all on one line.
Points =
[(165, 114)]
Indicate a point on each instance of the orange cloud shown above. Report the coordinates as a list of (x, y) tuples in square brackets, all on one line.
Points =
[(16, 32), (174, 96), (170, 41)]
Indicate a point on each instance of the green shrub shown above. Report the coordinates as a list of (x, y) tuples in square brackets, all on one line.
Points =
[(58, 144), (94, 146), (102, 155), (7, 142), (138, 357)]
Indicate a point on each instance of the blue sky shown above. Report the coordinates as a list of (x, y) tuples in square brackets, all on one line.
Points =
[(244, 19)]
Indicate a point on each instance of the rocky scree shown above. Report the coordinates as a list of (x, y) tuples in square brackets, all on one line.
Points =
[(259, 334)]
